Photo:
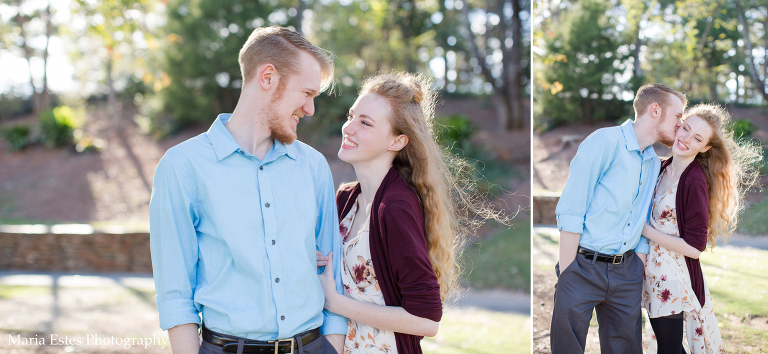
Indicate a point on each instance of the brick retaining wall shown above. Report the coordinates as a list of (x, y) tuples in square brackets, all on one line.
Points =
[(544, 204), (94, 252)]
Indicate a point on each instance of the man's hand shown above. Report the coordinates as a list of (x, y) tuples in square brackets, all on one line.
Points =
[(184, 339), (337, 340), (643, 257), (569, 246)]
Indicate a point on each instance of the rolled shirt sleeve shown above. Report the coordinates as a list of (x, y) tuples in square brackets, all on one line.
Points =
[(328, 239), (587, 166), (173, 244)]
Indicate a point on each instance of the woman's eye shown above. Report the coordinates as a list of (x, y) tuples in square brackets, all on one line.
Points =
[(366, 123)]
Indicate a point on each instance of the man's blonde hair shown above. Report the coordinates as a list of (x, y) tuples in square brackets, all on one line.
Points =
[(655, 93), (280, 47)]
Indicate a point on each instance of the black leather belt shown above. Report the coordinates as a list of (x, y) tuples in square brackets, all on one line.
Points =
[(230, 343), (613, 259)]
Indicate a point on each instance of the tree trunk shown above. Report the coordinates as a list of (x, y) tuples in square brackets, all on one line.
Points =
[(513, 69), (45, 99), (112, 97), (501, 96), (501, 105), (299, 17), (28, 55), (750, 59), (712, 79)]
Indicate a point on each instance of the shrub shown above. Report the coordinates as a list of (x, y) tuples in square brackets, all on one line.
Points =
[(455, 132), (742, 128), (17, 137), (57, 125)]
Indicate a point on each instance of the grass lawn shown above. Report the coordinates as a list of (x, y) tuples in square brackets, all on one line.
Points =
[(477, 331), (753, 220), (737, 280), (501, 261)]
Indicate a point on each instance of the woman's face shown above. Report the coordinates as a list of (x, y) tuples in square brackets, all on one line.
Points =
[(692, 137), (367, 134)]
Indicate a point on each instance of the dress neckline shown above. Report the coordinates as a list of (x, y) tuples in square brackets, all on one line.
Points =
[(669, 190)]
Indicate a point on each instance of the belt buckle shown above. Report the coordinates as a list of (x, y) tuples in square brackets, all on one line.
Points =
[(619, 257), (277, 343)]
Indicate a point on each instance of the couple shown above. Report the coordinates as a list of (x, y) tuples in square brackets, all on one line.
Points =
[(618, 189), (243, 216)]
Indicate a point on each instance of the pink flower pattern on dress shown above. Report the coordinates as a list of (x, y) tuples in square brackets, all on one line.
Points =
[(667, 287)]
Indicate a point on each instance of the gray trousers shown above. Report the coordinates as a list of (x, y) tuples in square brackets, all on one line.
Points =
[(613, 290), (318, 346)]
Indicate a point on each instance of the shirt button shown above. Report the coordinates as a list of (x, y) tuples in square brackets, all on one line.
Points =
[(282, 318), (261, 167), (628, 224), (641, 183), (266, 205), (242, 152), (625, 243), (277, 280), (273, 242)]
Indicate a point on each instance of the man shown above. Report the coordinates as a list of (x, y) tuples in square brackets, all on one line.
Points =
[(600, 215), (237, 214)]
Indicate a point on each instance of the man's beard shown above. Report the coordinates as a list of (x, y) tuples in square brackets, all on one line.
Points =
[(277, 127), (663, 138)]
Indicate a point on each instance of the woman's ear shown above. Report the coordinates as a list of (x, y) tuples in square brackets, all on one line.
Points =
[(398, 143), (706, 149)]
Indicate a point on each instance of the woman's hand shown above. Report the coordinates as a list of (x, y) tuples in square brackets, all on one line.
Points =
[(322, 261), (328, 283)]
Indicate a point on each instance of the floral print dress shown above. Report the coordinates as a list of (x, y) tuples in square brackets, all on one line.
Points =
[(360, 284), (667, 286)]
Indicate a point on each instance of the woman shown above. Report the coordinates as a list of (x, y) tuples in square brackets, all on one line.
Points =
[(697, 199), (401, 224)]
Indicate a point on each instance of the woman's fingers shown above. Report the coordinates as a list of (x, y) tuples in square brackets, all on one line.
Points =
[(322, 261)]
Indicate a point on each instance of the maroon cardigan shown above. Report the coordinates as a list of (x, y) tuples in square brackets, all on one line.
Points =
[(399, 251), (692, 211)]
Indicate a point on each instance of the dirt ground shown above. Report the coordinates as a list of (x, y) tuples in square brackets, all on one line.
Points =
[(43, 185)]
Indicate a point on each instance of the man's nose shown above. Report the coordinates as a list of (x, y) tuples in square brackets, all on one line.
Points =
[(309, 107)]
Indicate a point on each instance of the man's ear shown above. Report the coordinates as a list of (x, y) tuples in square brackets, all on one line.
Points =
[(267, 76), (398, 143), (655, 110)]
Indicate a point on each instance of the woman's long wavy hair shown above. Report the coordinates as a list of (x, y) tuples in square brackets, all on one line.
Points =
[(730, 166), (444, 183)]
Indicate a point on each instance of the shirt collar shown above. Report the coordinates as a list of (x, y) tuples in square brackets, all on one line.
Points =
[(629, 135), (631, 140), (224, 144)]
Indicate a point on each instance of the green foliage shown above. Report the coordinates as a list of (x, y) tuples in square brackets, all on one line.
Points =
[(57, 125), (586, 58), (203, 41), (742, 128), (455, 131), (16, 136)]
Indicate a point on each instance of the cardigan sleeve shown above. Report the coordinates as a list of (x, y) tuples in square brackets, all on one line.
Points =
[(403, 225), (696, 212)]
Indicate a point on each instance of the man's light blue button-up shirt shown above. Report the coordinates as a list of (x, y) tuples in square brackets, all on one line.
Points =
[(609, 191), (234, 237)]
